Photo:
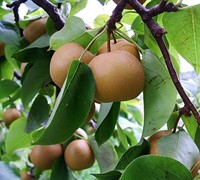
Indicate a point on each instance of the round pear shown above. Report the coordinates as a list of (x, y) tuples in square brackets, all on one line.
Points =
[(119, 76), (35, 29), (43, 156), (79, 155), (62, 59), (120, 44), (10, 115)]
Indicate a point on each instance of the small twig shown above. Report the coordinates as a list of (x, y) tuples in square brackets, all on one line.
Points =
[(15, 5), (52, 11)]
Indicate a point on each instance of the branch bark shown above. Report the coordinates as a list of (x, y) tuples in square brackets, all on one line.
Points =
[(52, 11), (158, 33)]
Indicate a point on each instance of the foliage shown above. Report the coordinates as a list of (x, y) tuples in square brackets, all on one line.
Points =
[(118, 131)]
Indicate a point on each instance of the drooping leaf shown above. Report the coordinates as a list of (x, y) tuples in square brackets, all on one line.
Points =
[(38, 113), (159, 94), (17, 137), (103, 133), (74, 28), (184, 33), (72, 106), (156, 167), (122, 137), (8, 87), (105, 155), (7, 172), (132, 153), (177, 143), (9, 33), (35, 79)]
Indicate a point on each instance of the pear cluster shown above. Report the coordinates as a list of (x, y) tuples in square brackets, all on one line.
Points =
[(119, 74), (78, 154)]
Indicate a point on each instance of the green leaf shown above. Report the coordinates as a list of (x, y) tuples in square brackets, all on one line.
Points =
[(72, 106), (10, 33), (8, 87), (105, 155), (6, 69), (156, 167), (184, 33), (159, 94), (17, 137), (103, 133), (7, 172), (174, 145), (132, 153), (35, 79), (79, 5), (111, 175), (73, 29), (59, 169), (122, 137), (38, 113)]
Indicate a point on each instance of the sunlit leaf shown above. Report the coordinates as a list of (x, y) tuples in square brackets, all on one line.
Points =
[(17, 137), (184, 33), (73, 29)]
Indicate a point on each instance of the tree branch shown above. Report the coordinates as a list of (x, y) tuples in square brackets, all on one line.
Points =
[(52, 11), (158, 33)]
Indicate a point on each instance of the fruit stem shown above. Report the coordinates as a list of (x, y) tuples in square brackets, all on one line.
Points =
[(102, 30)]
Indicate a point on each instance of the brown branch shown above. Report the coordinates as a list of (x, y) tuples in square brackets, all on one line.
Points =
[(52, 11), (158, 33)]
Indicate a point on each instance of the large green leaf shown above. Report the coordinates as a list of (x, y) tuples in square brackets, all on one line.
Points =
[(8, 87), (37, 114), (156, 167), (103, 133), (174, 145), (74, 28), (9, 33), (35, 79), (159, 94), (72, 106), (184, 33), (132, 153), (17, 137)]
